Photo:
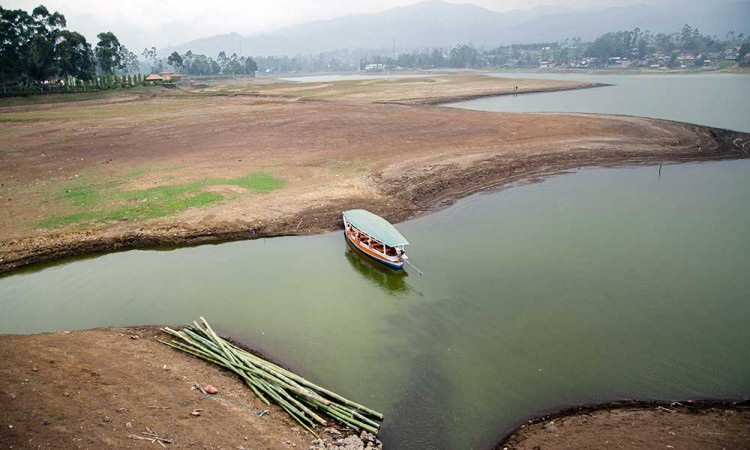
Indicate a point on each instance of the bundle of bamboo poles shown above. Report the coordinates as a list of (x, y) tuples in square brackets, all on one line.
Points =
[(303, 400)]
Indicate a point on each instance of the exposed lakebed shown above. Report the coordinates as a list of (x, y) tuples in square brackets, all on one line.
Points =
[(606, 284)]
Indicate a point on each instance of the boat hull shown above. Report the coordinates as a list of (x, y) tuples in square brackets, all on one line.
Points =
[(371, 254)]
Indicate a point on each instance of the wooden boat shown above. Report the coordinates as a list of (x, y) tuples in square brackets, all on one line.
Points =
[(375, 238)]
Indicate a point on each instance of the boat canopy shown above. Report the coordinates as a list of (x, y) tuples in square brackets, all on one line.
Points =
[(375, 226)]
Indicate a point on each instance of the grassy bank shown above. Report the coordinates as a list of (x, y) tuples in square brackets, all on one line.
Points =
[(235, 160), (98, 201)]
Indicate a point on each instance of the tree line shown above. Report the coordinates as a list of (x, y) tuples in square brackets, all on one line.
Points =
[(36, 48), (39, 54), (194, 64), (638, 44), (635, 45)]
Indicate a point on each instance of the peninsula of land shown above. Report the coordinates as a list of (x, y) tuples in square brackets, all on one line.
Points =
[(243, 159)]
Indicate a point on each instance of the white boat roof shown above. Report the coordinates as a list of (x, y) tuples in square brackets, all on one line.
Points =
[(375, 226)]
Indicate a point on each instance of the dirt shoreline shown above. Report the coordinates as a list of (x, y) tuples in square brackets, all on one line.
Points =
[(374, 144), (422, 159), (100, 388), (422, 194), (441, 101), (661, 424)]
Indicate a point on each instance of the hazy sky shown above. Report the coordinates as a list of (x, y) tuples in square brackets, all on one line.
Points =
[(160, 23)]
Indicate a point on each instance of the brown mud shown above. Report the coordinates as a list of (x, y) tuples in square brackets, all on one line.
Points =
[(82, 389), (404, 194), (436, 101), (349, 146), (650, 424), (105, 387)]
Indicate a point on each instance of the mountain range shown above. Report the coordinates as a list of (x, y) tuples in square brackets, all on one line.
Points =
[(441, 24)]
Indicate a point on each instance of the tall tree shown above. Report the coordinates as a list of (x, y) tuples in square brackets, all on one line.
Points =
[(175, 60), (41, 59), (187, 61), (742, 55), (463, 56), (16, 33), (223, 61), (250, 66), (73, 55), (109, 53), (130, 61), (215, 67)]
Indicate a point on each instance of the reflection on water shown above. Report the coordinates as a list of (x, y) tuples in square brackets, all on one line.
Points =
[(602, 285), (391, 281)]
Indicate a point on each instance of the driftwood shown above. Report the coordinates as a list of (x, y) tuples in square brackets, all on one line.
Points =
[(152, 436)]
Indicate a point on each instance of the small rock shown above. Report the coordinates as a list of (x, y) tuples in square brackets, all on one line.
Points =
[(196, 412), (107, 419), (45, 422), (134, 336), (128, 425), (211, 390)]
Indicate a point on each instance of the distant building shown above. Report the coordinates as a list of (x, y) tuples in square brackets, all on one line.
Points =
[(374, 67), (165, 77)]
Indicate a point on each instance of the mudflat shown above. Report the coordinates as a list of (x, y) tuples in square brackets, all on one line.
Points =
[(235, 161), (108, 387), (253, 158), (647, 425)]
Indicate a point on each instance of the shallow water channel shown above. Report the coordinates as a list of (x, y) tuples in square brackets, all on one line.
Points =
[(606, 284), (600, 285), (713, 99)]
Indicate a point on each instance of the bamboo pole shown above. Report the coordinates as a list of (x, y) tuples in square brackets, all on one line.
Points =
[(297, 396)]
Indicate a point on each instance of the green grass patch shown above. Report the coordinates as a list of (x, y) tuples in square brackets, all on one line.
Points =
[(100, 202)]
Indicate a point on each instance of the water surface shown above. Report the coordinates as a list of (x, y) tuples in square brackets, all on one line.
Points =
[(715, 99), (602, 285)]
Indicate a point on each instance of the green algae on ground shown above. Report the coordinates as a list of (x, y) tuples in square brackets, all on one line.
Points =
[(105, 201)]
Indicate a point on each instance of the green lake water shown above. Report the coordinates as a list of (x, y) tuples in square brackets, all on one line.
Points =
[(713, 99), (599, 285), (602, 285)]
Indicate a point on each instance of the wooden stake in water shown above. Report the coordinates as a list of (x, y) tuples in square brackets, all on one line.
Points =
[(415, 267)]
